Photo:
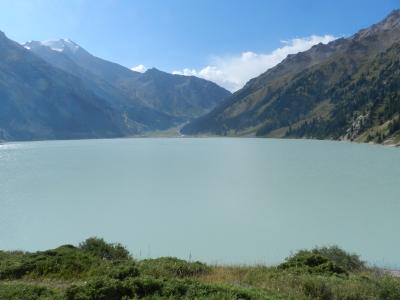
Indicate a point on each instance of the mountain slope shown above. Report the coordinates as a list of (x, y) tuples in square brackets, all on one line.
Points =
[(179, 97), (366, 104), (39, 101), (99, 75), (302, 89), (70, 51)]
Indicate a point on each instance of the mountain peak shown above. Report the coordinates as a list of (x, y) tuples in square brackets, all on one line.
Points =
[(394, 14), (152, 70), (60, 45), (2, 35), (391, 22)]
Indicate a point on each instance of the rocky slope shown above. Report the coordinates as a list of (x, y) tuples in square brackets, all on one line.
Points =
[(334, 91), (39, 101), (58, 90), (180, 97)]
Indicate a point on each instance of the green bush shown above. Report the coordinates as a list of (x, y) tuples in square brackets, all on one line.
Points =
[(325, 260), (26, 292), (152, 288), (65, 262), (97, 270), (312, 263), (172, 267), (317, 289), (348, 261), (104, 250), (122, 271), (99, 289), (389, 288)]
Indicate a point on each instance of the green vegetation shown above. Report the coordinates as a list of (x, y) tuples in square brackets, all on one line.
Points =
[(97, 270), (347, 89)]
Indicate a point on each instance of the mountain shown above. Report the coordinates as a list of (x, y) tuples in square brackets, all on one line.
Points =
[(58, 90), (39, 101), (69, 56), (186, 97), (99, 76), (341, 90), (179, 97)]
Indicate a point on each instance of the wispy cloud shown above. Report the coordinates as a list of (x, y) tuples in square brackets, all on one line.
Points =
[(232, 72), (139, 68)]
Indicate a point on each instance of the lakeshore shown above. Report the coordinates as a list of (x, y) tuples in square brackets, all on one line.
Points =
[(95, 269)]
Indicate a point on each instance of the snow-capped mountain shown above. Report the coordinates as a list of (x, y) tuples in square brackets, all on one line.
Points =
[(58, 90), (179, 97), (55, 45)]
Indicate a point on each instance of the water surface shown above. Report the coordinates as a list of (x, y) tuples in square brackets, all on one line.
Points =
[(217, 200)]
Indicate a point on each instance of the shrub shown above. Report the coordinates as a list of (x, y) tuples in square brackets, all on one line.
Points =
[(325, 260), (389, 288), (65, 262), (309, 262), (152, 288), (26, 292), (172, 267), (317, 290), (104, 250), (123, 270), (99, 289), (348, 261)]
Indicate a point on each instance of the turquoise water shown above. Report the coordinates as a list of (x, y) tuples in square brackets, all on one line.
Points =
[(218, 200)]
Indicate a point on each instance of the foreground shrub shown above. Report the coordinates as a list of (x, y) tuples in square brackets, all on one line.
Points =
[(326, 260), (172, 267), (151, 288), (389, 288), (317, 289), (65, 262), (103, 288), (122, 271), (312, 263), (348, 261), (104, 250), (26, 292)]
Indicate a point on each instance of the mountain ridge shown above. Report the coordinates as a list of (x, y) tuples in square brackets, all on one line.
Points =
[(61, 91), (147, 89), (300, 89)]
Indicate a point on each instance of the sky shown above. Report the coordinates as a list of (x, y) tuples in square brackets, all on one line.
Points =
[(227, 41)]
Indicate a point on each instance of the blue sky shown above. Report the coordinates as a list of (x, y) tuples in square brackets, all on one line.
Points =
[(185, 34)]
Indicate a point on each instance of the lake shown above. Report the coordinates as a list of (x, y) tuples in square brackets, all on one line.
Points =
[(218, 200)]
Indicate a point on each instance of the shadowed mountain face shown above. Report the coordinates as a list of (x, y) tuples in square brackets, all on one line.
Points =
[(57, 90), (39, 101), (313, 93), (179, 97), (98, 76)]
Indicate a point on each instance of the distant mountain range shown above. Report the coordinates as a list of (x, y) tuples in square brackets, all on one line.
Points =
[(58, 90), (348, 89)]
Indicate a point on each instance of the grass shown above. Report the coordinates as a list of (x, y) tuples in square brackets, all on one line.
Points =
[(96, 270)]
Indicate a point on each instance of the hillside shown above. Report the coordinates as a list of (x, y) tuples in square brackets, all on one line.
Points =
[(58, 90), (312, 94), (97, 270), (179, 97), (42, 102)]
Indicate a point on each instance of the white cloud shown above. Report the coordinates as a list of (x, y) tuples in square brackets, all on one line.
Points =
[(139, 68), (232, 72)]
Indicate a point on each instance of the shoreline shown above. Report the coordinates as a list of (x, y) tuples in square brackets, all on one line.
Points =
[(144, 136)]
